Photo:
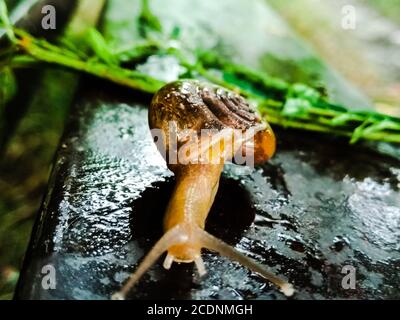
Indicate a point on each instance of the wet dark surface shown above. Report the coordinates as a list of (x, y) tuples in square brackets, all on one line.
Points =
[(317, 206)]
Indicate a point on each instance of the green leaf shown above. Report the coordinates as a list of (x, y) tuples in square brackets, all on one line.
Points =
[(8, 86), (176, 32), (5, 21), (137, 53), (8, 89), (359, 132), (303, 91), (148, 21), (243, 84), (100, 47), (382, 125), (343, 119), (295, 107)]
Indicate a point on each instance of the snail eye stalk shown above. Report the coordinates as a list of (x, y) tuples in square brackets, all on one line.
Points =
[(194, 105)]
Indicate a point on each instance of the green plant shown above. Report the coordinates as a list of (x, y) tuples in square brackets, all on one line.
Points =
[(290, 105)]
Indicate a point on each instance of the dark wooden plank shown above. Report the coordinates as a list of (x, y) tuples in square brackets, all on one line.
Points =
[(317, 207)]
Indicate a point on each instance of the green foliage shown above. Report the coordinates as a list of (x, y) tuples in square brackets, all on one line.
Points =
[(5, 21), (292, 105), (389, 8), (8, 89), (148, 22), (252, 81), (100, 48), (306, 70), (136, 54), (8, 86)]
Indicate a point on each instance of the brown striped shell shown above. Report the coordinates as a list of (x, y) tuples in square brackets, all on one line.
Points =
[(199, 105)]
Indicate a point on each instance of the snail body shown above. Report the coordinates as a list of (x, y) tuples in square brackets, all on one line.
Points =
[(191, 108)]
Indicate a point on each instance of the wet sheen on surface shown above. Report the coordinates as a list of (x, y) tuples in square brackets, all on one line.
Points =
[(318, 206)]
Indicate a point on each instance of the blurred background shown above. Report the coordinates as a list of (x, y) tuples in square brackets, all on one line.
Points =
[(368, 56)]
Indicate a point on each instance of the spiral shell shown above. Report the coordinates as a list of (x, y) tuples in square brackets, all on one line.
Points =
[(194, 105)]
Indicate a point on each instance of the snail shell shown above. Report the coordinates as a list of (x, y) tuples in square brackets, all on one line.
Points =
[(194, 105)]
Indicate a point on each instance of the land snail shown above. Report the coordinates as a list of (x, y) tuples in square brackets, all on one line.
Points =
[(231, 128)]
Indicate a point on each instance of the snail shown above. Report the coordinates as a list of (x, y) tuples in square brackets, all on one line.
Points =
[(232, 130)]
